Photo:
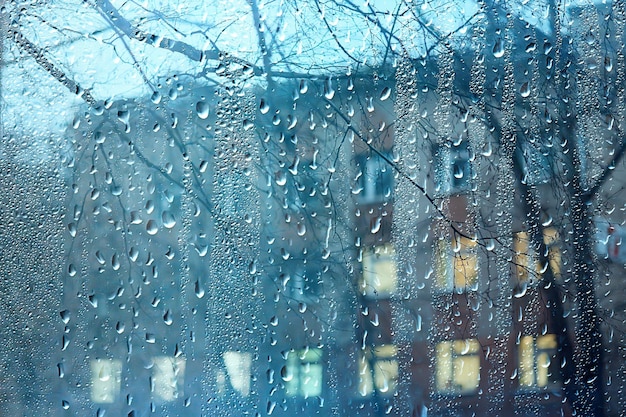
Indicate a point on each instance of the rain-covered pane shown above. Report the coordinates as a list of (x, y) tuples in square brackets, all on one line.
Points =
[(314, 208)]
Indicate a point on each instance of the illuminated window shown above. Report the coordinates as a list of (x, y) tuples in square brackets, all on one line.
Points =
[(167, 378), (456, 267), (379, 271), (457, 366), (525, 259), (106, 377), (238, 367), (303, 373), (538, 367), (378, 369)]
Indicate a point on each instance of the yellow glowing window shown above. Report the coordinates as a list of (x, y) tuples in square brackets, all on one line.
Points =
[(525, 259), (538, 367), (106, 377), (456, 267), (378, 369), (379, 271), (457, 366), (303, 373)]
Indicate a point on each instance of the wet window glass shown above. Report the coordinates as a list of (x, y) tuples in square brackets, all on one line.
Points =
[(313, 208)]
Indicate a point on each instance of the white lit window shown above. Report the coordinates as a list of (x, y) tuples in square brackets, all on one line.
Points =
[(379, 271), (538, 367), (303, 373), (457, 366), (167, 378), (378, 369), (238, 372), (106, 377)]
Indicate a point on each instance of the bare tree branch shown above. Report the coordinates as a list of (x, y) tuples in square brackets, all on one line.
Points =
[(38, 54)]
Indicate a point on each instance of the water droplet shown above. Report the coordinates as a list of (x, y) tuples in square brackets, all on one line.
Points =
[(199, 290), (93, 301), (202, 108), (177, 351), (252, 268), (65, 342), (149, 206), (123, 116), (385, 94), (608, 63), (487, 150), (280, 177), (264, 107), (65, 404), (286, 374), (304, 86), (457, 171), (167, 318), (150, 338), (525, 90), (115, 262), (120, 327), (133, 254), (376, 225), (329, 91), (168, 219), (151, 227), (498, 48), (248, 124), (301, 229), (293, 168), (65, 316), (156, 97), (61, 370)]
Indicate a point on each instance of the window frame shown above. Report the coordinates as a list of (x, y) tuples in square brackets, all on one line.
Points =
[(378, 371), (448, 355), (453, 260), (371, 286), (299, 362), (529, 351)]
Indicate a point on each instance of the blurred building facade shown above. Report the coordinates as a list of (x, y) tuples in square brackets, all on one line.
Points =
[(320, 250)]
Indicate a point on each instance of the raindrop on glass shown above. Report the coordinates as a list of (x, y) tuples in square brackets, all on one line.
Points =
[(202, 108), (525, 90), (151, 227), (199, 290), (168, 219), (167, 318), (286, 374), (385, 94), (498, 48)]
